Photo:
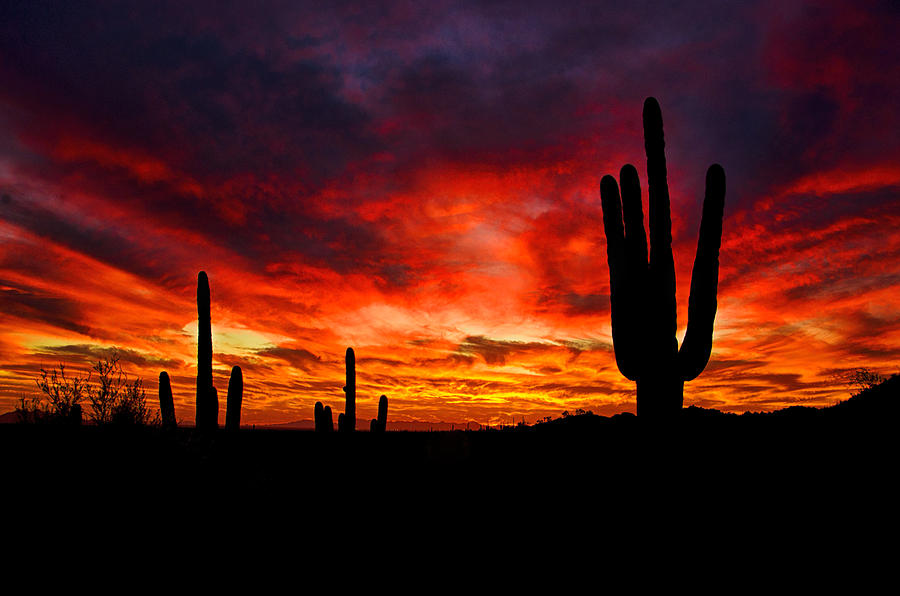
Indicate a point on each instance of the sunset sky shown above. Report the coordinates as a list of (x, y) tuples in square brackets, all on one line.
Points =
[(420, 181)]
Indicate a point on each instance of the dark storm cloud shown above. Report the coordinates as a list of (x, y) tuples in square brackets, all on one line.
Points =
[(96, 239), (256, 133), (32, 304), (498, 351), (257, 111), (512, 115), (93, 353), (296, 357), (138, 76)]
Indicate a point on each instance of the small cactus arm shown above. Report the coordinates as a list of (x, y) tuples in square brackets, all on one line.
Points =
[(642, 286), (327, 420)]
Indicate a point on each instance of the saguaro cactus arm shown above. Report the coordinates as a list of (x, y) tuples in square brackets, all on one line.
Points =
[(697, 345), (663, 316), (327, 419), (624, 283)]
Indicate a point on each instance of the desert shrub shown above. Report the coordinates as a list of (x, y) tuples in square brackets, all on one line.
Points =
[(112, 396), (858, 380), (60, 398), (117, 399)]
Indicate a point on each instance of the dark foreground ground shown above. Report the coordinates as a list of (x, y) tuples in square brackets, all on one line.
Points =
[(711, 481), (584, 457)]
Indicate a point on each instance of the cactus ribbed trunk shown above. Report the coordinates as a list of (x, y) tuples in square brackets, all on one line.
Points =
[(235, 397), (660, 397), (349, 421), (166, 402), (642, 286), (207, 412)]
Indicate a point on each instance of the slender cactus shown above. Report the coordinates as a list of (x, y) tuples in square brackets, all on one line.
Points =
[(207, 412), (235, 397), (349, 424), (318, 413), (341, 423), (642, 293), (380, 424), (166, 403)]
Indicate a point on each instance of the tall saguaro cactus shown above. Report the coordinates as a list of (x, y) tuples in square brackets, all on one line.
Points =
[(207, 412), (642, 292), (235, 397), (348, 422), (166, 402)]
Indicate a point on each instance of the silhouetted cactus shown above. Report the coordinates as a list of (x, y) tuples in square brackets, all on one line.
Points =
[(341, 427), (327, 420), (642, 293), (166, 403), (318, 414), (380, 424), (234, 399), (324, 421), (349, 416), (207, 412)]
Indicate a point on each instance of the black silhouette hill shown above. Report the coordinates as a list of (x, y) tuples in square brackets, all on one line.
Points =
[(875, 404), (569, 442)]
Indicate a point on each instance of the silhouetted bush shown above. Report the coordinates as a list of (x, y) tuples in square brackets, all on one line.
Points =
[(113, 397), (116, 398), (60, 399), (858, 380)]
